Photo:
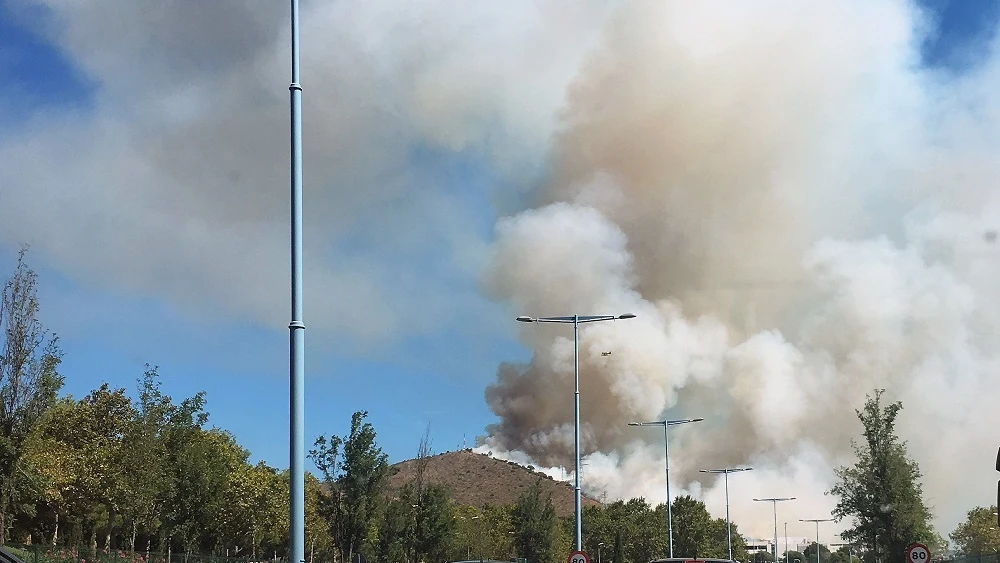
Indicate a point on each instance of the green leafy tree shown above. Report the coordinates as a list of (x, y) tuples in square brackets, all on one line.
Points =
[(84, 460), (200, 463), (435, 524), (719, 546), (147, 480), (792, 555), (598, 528), (978, 534), (468, 536), (692, 528), (354, 468), (810, 553), (881, 492), (252, 513), (844, 554), (318, 540), (396, 528), (536, 526), (29, 382), (498, 522), (650, 541)]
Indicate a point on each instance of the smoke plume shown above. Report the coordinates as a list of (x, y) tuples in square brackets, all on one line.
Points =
[(797, 213)]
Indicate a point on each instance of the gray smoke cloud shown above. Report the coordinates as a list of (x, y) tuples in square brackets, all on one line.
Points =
[(172, 180), (798, 214), (792, 206)]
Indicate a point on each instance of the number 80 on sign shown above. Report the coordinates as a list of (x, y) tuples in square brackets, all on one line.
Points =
[(578, 557), (918, 553)]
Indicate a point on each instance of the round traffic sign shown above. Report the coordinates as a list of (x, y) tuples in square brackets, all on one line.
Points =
[(918, 553), (578, 557)]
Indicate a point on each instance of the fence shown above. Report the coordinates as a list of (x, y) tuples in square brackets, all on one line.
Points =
[(55, 554)]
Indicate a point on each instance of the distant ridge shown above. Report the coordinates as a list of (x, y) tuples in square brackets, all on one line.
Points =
[(479, 479)]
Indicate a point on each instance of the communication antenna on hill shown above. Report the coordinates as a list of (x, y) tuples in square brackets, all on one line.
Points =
[(463, 440)]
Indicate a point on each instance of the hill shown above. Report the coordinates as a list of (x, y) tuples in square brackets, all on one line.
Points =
[(479, 479)]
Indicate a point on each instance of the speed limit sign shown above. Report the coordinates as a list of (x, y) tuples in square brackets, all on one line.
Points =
[(918, 553), (578, 557)]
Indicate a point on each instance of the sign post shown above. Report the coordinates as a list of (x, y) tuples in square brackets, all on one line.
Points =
[(918, 553), (578, 557)]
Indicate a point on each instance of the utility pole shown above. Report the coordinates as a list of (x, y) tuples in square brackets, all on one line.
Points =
[(774, 504)]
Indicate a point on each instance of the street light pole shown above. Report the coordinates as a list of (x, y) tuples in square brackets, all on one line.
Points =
[(729, 529), (666, 424), (296, 328), (577, 320), (774, 504), (817, 521)]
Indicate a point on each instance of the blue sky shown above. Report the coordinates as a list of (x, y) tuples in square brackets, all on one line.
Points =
[(407, 379)]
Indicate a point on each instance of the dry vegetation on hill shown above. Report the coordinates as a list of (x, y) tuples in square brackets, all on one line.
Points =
[(479, 479)]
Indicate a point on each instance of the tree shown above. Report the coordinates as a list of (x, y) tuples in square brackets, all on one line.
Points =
[(845, 554), (147, 480), (810, 553), (355, 469), (435, 524), (498, 522), (535, 526), (598, 528), (881, 492), (650, 540), (318, 539), (29, 382), (252, 513), (396, 527), (791, 556), (693, 529), (719, 546), (978, 534)]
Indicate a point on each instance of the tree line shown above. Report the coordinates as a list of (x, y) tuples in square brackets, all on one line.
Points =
[(148, 473)]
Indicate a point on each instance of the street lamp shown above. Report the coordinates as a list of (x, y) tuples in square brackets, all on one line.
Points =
[(666, 441), (296, 328), (726, 471), (774, 504), (599, 546), (577, 320), (817, 521)]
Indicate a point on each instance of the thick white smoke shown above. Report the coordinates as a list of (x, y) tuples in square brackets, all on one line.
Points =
[(794, 208), (798, 214)]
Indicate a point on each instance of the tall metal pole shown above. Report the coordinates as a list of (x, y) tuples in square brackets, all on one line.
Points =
[(576, 320), (576, 417), (774, 504), (670, 519), (786, 542), (666, 451), (817, 521), (296, 328), (729, 527), (726, 472)]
